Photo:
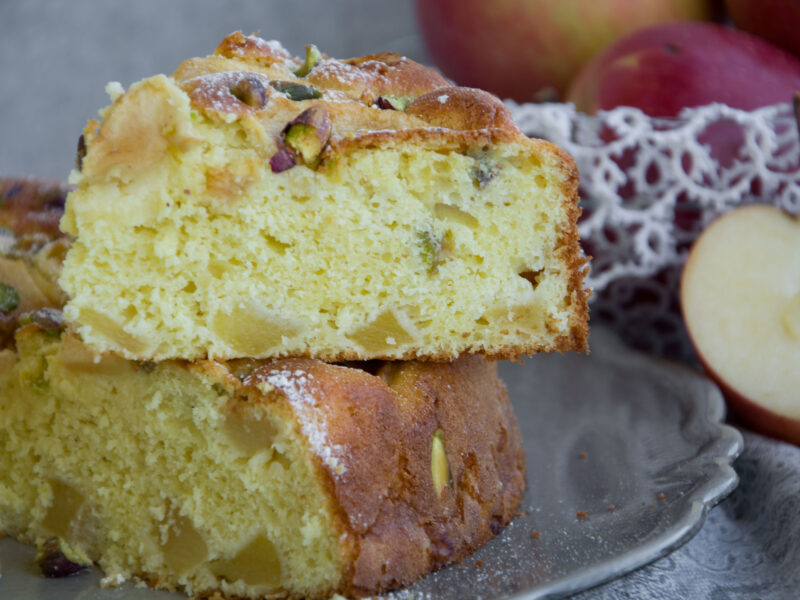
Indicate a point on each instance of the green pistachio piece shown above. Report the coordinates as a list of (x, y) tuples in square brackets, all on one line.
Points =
[(9, 298), (484, 170), (249, 90), (49, 319), (429, 248), (296, 91), (308, 133), (303, 140), (53, 561), (393, 102), (440, 468), (313, 56)]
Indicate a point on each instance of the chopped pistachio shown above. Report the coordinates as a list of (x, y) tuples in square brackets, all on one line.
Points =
[(250, 91), (393, 102), (484, 170), (296, 91), (302, 138), (313, 56), (440, 468), (9, 298), (53, 562), (49, 319), (429, 248), (282, 160), (308, 133)]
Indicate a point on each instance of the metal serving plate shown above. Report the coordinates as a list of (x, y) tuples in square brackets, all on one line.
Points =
[(626, 455)]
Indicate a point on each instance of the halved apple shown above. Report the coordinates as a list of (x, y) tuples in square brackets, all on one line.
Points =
[(740, 296)]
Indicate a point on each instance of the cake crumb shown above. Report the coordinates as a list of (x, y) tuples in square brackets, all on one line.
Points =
[(582, 514), (115, 580), (583, 454), (661, 496), (611, 508), (114, 90), (479, 563), (535, 534)]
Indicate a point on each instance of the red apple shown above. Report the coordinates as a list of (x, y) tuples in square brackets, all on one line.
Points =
[(775, 20), (740, 296), (520, 48), (666, 68)]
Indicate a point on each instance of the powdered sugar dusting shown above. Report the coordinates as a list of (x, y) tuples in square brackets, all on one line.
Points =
[(295, 387), (443, 98), (271, 46), (213, 90), (333, 69)]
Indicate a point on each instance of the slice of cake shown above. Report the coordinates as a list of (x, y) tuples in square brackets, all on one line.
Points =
[(253, 204), (254, 478)]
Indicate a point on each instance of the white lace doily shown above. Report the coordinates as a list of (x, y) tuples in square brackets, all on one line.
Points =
[(649, 186)]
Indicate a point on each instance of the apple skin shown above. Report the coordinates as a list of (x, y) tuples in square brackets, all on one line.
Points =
[(521, 48), (774, 249), (775, 20), (752, 415), (666, 68)]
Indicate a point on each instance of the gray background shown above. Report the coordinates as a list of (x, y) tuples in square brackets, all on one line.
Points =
[(57, 56)]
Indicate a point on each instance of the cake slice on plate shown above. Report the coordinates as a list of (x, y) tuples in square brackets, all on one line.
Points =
[(253, 478), (256, 205)]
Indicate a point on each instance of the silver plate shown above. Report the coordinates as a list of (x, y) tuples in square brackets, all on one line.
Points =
[(612, 428)]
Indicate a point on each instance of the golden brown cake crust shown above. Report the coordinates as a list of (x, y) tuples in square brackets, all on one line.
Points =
[(376, 460)]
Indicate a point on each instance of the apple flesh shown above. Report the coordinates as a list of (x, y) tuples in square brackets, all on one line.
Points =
[(666, 68), (520, 48), (740, 297), (775, 20)]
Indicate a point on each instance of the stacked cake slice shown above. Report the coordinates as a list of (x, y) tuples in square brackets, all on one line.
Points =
[(283, 280)]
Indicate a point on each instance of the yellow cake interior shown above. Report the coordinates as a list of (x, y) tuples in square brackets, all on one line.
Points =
[(198, 491), (396, 251)]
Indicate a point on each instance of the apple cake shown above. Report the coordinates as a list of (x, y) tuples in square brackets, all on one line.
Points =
[(257, 205), (253, 478)]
